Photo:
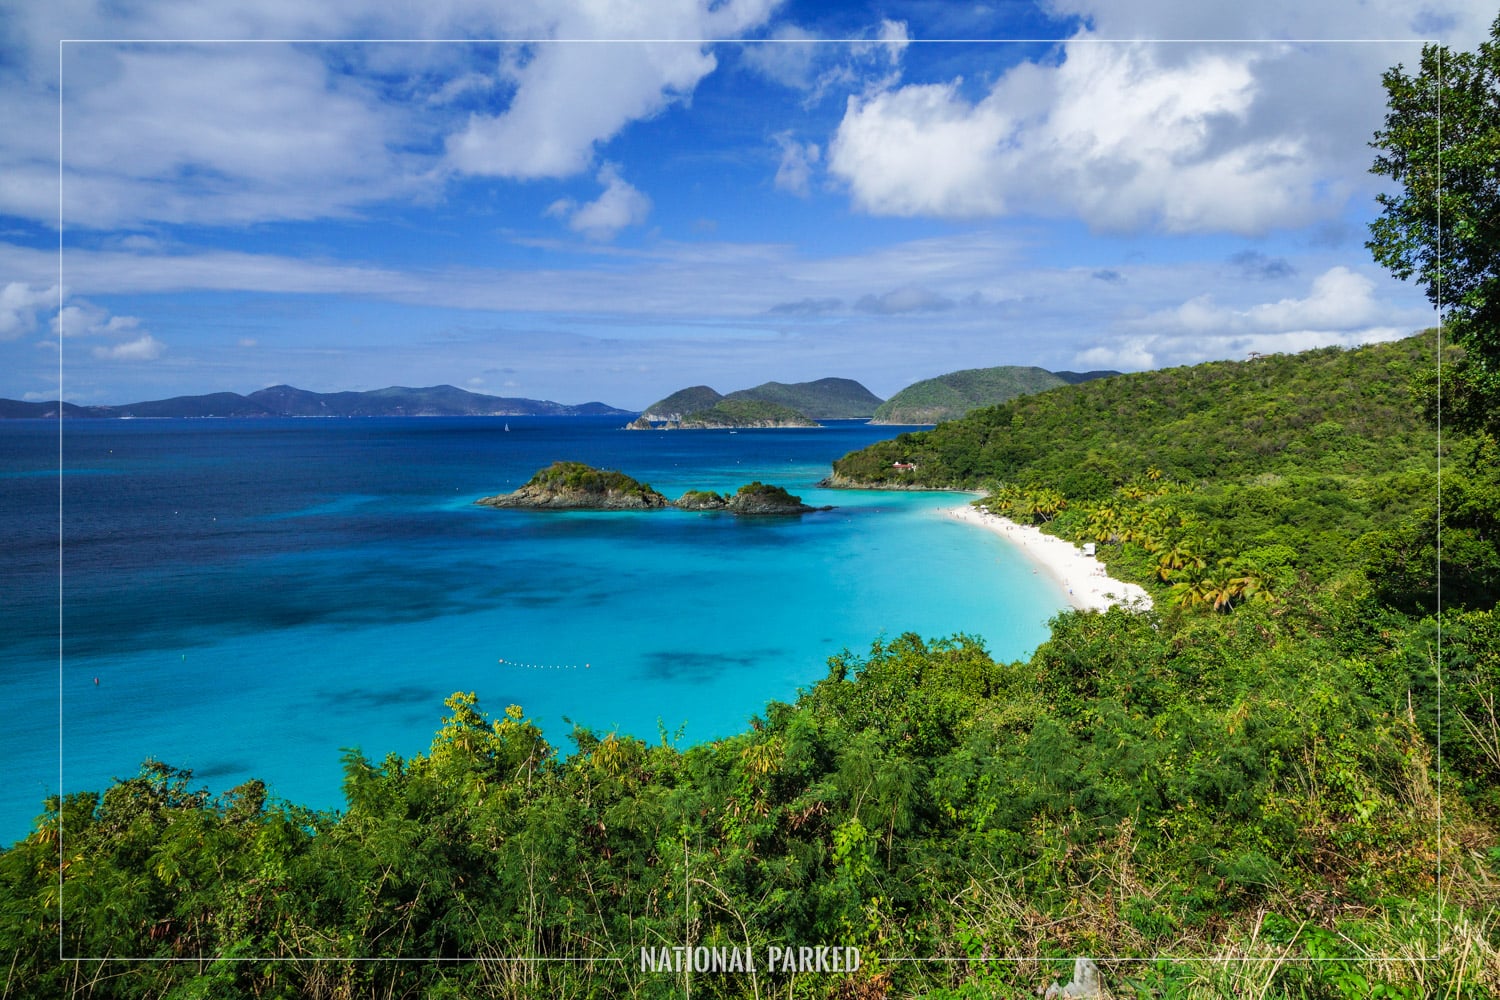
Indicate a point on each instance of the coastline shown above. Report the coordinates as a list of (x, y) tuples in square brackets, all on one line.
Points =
[(1082, 577)]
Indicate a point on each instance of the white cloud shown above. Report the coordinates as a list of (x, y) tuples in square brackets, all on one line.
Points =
[(19, 305), (1126, 136), (569, 97), (619, 205), (1339, 300), (144, 348), (1458, 23), (788, 56), (1342, 307), (248, 133), (795, 58), (1141, 353), (84, 319), (225, 134), (798, 160)]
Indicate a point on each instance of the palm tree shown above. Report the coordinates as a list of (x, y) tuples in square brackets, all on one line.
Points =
[(1182, 555), (1103, 525)]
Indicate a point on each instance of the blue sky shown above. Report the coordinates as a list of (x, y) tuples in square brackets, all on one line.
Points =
[(646, 196)]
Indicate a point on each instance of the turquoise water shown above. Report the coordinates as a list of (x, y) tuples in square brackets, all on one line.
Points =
[(253, 596)]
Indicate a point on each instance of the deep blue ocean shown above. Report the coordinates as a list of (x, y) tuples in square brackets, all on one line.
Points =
[(245, 598)]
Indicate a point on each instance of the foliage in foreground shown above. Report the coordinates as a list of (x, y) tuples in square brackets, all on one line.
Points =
[(1257, 786), (1245, 779)]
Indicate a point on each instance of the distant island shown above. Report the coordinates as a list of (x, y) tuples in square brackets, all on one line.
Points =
[(950, 396), (576, 486), (771, 404), (289, 401), (803, 404)]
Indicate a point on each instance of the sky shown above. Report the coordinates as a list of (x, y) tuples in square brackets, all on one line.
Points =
[(604, 200)]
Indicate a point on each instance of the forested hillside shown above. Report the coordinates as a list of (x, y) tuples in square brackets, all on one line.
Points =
[(1245, 779), (950, 396)]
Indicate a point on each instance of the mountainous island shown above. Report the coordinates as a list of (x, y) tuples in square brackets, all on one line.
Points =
[(950, 396), (576, 486), (771, 404), (289, 401)]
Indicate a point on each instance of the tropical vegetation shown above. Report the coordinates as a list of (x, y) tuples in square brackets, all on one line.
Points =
[(1246, 779), (950, 396), (747, 413)]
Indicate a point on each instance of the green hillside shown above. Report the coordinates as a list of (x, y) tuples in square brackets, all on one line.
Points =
[(825, 399), (1224, 418), (682, 402), (731, 412), (1310, 467), (950, 396)]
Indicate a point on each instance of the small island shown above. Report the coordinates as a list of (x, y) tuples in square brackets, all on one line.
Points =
[(759, 498), (576, 486)]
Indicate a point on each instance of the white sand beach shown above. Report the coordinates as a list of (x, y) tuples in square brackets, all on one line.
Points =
[(1080, 575)]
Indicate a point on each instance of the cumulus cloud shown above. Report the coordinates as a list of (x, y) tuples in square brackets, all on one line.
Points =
[(619, 205), (19, 305), (569, 97), (1123, 135), (226, 134), (84, 319), (1461, 24), (1129, 135), (247, 133), (143, 348), (1340, 299), (1341, 307)]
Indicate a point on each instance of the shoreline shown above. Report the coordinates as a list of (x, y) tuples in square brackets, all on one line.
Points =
[(1082, 577)]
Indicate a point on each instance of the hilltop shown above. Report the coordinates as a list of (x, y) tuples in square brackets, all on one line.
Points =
[(950, 396), (681, 403), (823, 399)]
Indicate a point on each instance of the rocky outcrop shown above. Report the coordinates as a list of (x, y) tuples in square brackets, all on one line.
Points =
[(756, 499), (701, 500)]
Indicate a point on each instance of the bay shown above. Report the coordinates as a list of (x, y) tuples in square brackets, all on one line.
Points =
[(246, 598)]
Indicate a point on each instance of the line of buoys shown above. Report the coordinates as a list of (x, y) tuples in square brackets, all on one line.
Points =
[(542, 666)]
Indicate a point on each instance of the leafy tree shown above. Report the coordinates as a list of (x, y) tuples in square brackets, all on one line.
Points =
[(1441, 142)]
